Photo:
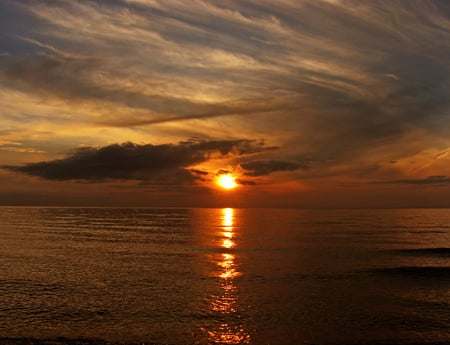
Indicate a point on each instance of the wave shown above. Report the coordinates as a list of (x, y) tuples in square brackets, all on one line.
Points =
[(388, 342), (67, 341), (437, 272), (98, 341), (443, 251)]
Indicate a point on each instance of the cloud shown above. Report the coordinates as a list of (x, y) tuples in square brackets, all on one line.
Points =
[(266, 167), (430, 180), (199, 172), (246, 182), (166, 163), (343, 83), (85, 80)]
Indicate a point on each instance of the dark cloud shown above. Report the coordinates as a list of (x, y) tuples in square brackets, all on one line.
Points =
[(199, 172), (266, 167), (165, 163), (223, 172), (246, 182), (430, 180)]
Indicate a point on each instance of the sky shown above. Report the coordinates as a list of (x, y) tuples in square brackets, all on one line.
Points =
[(307, 103)]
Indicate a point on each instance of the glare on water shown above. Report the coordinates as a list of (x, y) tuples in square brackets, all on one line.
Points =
[(226, 301)]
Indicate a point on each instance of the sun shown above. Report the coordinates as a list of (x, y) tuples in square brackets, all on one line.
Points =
[(226, 181)]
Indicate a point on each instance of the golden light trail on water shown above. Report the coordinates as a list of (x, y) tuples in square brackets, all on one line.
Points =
[(226, 302)]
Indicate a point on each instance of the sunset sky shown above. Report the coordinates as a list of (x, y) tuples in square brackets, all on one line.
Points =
[(330, 103)]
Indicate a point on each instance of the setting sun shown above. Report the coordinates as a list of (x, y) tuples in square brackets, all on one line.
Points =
[(226, 181)]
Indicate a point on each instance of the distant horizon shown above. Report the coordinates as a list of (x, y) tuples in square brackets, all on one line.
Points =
[(225, 207)]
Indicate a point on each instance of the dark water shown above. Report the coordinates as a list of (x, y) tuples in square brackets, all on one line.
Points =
[(224, 276)]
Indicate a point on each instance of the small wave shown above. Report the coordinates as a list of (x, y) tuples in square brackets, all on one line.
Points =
[(97, 341), (28, 286), (389, 342), (67, 341), (436, 272), (425, 251), (426, 232)]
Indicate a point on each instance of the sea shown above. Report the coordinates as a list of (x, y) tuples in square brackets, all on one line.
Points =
[(224, 276)]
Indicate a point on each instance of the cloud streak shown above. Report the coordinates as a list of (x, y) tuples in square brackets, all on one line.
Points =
[(430, 180), (266, 167), (76, 79)]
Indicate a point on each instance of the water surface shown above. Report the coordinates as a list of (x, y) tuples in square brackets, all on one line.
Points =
[(224, 276)]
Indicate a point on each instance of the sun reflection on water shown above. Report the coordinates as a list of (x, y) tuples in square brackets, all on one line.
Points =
[(227, 217), (226, 302)]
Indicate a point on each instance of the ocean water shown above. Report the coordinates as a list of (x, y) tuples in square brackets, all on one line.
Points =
[(224, 276)]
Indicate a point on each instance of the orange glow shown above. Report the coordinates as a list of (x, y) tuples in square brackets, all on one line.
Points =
[(227, 234), (226, 181), (228, 267), (226, 243)]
